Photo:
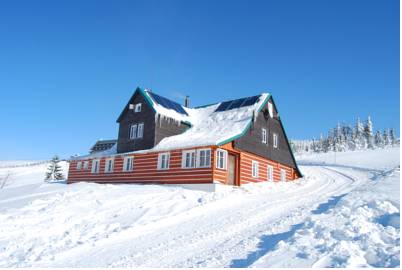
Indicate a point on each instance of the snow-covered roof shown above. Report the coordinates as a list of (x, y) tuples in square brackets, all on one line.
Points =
[(211, 126), (215, 124)]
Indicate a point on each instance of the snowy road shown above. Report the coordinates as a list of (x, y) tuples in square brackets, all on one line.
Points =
[(263, 225)]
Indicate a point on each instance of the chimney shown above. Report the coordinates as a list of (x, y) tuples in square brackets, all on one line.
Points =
[(187, 102)]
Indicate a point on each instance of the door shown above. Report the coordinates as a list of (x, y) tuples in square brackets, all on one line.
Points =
[(232, 170)]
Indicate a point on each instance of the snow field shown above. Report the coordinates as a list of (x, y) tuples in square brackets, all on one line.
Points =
[(340, 214)]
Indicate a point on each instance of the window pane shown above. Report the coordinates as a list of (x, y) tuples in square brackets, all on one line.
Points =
[(208, 158)]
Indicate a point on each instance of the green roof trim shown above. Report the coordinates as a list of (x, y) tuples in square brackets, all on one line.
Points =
[(147, 98), (236, 136), (248, 125)]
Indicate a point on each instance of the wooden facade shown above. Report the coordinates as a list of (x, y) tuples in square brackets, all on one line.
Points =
[(247, 158), (145, 169)]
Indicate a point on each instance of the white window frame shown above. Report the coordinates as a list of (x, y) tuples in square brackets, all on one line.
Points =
[(95, 169), (270, 173), (254, 169), (129, 160), (264, 135), (79, 165), (166, 157), (275, 140), (221, 155), (133, 131), (86, 165), (192, 155), (283, 175), (140, 127), (207, 161), (137, 107), (109, 165)]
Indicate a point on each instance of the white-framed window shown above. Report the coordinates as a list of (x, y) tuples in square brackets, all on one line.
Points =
[(264, 135), (188, 159), (140, 130), (133, 131), (163, 161), (204, 158), (275, 138), (137, 107), (254, 169), (283, 175), (270, 173), (221, 159), (86, 164), (136, 131), (128, 164), (95, 166), (109, 164), (79, 165)]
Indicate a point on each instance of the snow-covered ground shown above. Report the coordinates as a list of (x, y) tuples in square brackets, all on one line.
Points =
[(343, 213)]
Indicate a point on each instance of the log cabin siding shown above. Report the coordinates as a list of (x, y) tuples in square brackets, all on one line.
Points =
[(252, 141), (144, 170), (246, 169)]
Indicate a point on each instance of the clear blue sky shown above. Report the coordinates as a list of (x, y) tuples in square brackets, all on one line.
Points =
[(67, 68)]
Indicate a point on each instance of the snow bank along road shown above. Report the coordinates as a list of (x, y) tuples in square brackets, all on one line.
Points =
[(341, 214)]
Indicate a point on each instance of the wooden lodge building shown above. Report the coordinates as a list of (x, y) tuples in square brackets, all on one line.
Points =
[(160, 141)]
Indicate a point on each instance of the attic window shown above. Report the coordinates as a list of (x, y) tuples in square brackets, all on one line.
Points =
[(137, 107), (264, 135), (275, 137)]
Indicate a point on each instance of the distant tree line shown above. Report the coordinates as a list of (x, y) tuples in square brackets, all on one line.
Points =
[(344, 137)]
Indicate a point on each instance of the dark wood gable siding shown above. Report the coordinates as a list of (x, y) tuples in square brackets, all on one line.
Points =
[(167, 127), (128, 117), (252, 141)]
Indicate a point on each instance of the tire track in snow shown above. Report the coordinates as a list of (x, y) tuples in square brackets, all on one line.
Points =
[(210, 238)]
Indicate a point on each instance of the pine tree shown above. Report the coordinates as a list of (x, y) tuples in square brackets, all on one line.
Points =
[(359, 139), (378, 139), (386, 137), (54, 171), (368, 133), (392, 136)]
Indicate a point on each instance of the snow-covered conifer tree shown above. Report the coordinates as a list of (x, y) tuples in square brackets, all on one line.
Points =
[(54, 171), (359, 138), (391, 136), (386, 137), (368, 133), (378, 139)]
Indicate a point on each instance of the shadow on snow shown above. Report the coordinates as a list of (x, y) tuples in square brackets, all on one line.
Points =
[(269, 242)]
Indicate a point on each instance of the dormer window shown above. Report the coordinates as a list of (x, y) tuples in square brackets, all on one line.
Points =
[(136, 131), (137, 107), (133, 131)]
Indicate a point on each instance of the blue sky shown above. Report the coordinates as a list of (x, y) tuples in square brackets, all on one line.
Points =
[(67, 68)]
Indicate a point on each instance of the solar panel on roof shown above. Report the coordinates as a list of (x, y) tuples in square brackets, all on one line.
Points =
[(168, 104), (237, 103), (250, 101), (223, 106)]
